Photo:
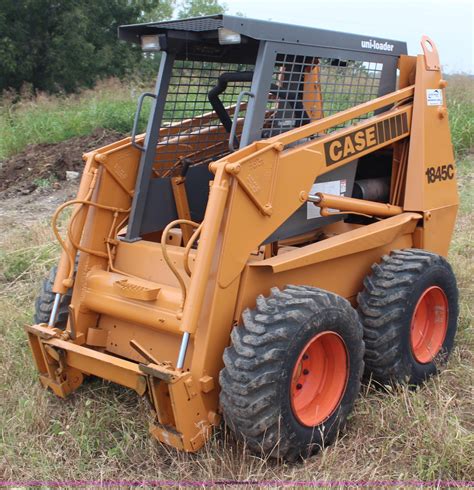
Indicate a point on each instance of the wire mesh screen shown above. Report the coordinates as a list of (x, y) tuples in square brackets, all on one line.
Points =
[(192, 132), (306, 88)]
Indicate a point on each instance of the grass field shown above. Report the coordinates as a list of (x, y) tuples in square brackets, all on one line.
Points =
[(101, 431), (50, 119)]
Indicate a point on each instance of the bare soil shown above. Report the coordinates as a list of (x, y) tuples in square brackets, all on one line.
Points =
[(33, 183), (46, 163)]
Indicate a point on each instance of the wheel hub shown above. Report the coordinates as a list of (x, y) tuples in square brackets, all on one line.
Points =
[(429, 324), (319, 378)]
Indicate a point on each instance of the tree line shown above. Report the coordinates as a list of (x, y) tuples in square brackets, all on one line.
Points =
[(65, 45)]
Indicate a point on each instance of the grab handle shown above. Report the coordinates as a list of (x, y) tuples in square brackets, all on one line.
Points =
[(137, 118), (233, 130)]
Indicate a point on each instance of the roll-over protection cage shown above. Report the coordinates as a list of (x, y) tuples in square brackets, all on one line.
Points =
[(211, 98)]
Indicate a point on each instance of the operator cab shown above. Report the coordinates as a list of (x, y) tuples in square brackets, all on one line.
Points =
[(225, 82)]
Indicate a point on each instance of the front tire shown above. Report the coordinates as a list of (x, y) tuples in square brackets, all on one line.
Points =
[(292, 373), (409, 309)]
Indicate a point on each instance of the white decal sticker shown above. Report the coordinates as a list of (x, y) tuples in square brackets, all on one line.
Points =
[(334, 187), (343, 186), (434, 96)]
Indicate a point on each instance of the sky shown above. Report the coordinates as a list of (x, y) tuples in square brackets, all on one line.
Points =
[(450, 23)]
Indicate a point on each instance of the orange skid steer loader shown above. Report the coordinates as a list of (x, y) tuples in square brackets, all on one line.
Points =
[(279, 230)]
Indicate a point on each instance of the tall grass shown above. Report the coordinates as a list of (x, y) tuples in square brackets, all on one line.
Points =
[(50, 119), (460, 94), (112, 104)]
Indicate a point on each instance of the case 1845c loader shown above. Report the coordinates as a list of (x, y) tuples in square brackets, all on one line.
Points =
[(279, 229)]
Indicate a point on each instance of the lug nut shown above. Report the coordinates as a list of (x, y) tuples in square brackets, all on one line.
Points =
[(305, 371), (299, 386)]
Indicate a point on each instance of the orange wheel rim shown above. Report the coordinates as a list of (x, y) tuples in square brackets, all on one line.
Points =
[(429, 324), (319, 378)]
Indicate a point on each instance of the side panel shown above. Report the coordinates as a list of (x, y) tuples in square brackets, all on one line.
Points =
[(342, 275), (431, 173), (438, 227), (160, 208)]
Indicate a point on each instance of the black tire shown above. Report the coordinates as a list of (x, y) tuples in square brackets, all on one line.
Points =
[(257, 377), (44, 303), (386, 308)]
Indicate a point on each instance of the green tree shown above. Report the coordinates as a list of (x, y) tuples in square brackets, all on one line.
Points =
[(163, 10), (64, 44), (196, 8)]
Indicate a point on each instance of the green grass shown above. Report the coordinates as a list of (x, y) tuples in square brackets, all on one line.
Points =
[(112, 105), (460, 95), (50, 119)]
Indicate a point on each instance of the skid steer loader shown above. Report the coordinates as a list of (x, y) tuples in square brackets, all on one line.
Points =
[(279, 230)]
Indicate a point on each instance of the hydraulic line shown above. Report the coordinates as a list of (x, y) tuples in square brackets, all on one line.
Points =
[(188, 249), (168, 261)]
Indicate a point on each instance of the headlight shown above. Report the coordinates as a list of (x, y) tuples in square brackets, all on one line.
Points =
[(226, 36), (151, 43)]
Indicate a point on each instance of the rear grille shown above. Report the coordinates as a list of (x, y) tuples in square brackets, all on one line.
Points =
[(194, 25)]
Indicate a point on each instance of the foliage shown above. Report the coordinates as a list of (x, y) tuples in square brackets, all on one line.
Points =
[(161, 10), (460, 95), (53, 118), (64, 45), (196, 8), (61, 45)]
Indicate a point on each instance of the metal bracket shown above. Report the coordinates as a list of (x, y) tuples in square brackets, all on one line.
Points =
[(257, 176), (430, 52), (161, 371), (43, 332)]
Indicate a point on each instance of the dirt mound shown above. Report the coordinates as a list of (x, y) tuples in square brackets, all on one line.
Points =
[(43, 164)]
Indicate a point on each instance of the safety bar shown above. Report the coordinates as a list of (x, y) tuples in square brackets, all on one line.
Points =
[(222, 82)]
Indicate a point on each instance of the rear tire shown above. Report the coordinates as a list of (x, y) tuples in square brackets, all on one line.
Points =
[(292, 373), (409, 310), (44, 303)]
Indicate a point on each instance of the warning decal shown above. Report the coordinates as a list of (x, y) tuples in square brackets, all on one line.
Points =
[(434, 96)]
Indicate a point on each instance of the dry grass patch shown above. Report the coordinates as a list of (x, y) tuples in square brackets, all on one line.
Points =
[(101, 431)]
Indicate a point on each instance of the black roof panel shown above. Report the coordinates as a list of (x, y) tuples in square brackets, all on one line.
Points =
[(197, 28)]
